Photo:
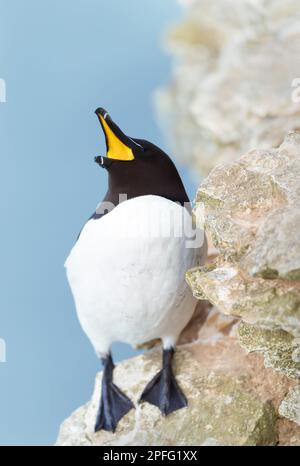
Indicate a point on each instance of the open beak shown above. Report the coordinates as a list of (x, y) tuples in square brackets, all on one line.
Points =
[(118, 145)]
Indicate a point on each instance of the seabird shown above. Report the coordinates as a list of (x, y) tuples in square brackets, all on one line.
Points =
[(127, 268)]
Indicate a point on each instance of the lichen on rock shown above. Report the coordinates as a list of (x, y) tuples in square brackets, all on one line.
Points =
[(252, 214), (232, 398), (290, 406), (277, 346), (255, 275)]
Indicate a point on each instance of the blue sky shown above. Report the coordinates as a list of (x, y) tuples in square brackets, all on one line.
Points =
[(60, 60)]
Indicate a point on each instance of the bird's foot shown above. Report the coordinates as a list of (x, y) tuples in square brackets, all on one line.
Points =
[(163, 390), (114, 403), (112, 408)]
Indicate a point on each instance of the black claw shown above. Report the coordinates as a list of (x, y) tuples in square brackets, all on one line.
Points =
[(163, 390), (114, 404)]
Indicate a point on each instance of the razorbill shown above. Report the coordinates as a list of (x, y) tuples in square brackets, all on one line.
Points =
[(127, 268)]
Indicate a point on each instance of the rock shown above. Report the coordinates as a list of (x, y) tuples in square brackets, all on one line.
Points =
[(191, 331), (235, 84), (290, 406), (251, 209), (288, 433), (233, 399), (277, 346), (237, 213), (72, 432)]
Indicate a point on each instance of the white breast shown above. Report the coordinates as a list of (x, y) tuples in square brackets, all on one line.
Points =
[(127, 270)]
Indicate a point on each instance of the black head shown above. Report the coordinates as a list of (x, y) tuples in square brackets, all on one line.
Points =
[(137, 167)]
